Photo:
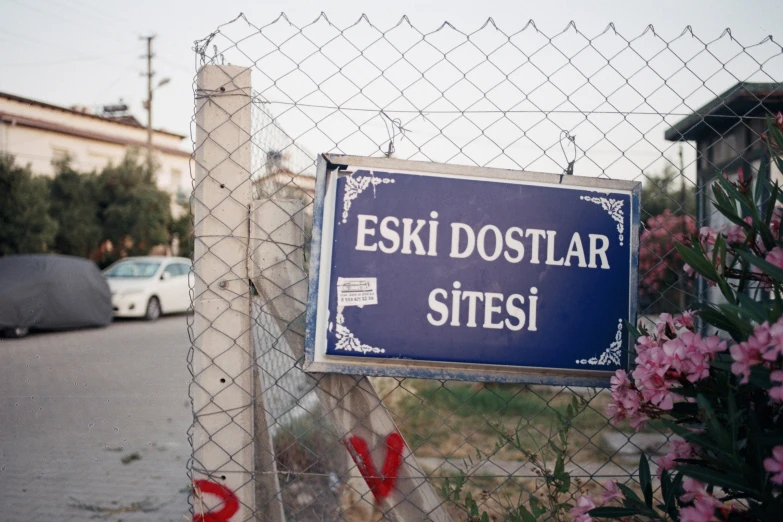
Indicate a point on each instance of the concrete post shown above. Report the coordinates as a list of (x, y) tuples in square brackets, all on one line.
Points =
[(222, 364)]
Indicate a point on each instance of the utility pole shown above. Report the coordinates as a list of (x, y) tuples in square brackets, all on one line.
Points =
[(148, 103)]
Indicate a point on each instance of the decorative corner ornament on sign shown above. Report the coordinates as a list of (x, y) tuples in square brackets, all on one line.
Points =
[(347, 341), (615, 209), (355, 185), (354, 291), (612, 354)]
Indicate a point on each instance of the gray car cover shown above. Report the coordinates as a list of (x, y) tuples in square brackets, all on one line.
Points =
[(51, 292)]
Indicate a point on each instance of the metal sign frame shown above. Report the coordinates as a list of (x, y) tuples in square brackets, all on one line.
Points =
[(332, 166)]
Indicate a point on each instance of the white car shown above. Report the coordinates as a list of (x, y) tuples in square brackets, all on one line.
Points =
[(149, 286)]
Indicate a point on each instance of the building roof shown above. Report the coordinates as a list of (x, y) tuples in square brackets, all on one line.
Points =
[(129, 121), (743, 100), (73, 131)]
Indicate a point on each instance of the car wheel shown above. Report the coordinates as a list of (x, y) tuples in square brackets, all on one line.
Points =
[(153, 309), (16, 333)]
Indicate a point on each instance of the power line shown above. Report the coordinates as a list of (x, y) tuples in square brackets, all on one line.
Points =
[(119, 78), (95, 16), (66, 20), (64, 62)]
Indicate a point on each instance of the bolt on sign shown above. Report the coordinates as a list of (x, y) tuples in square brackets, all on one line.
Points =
[(450, 272)]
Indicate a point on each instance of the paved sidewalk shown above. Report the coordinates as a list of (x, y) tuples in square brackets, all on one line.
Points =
[(93, 424)]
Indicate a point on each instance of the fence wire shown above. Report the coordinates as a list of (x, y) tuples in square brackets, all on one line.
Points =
[(672, 113)]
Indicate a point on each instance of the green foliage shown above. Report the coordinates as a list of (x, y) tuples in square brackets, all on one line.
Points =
[(73, 198), (74, 213), (730, 423), (135, 213), (26, 226), (661, 192), (182, 228), (549, 462)]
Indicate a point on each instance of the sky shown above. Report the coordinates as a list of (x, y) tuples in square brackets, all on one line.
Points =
[(89, 52)]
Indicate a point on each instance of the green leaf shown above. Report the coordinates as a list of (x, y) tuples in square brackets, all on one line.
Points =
[(613, 512), (715, 478), (670, 493), (694, 437), (760, 376), (716, 428), (761, 183), (752, 308), (750, 208), (718, 257), (645, 480), (721, 322), (632, 330), (525, 515), (769, 439), (696, 260), (768, 268), (735, 195), (666, 486), (565, 483), (536, 506), (734, 218), (630, 495), (721, 365), (730, 312), (734, 417)]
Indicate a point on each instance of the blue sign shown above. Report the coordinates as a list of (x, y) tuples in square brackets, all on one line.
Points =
[(441, 271)]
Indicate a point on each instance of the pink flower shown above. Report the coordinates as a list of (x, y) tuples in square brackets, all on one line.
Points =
[(744, 357), (583, 505), (665, 326), (748, 353), (619, 380), (775, 256), (774, 225), (680, 450), (694, 490), (703, 510), (775, 347), (775, 465), (736, 233), (612, 492), (686, 319), (625, 401), (707, 236), (776, 393)]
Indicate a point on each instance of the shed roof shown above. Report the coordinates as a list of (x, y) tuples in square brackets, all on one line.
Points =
[(745, 99)]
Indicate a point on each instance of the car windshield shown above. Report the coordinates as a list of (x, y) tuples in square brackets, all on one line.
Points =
[(139, 269)]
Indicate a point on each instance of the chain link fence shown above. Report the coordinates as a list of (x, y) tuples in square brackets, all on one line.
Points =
[(671, 113)]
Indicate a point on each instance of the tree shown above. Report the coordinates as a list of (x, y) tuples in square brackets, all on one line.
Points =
[(665, 191), (75, 207), (667, 212), (135, 213), (26, 226), (182, 228)]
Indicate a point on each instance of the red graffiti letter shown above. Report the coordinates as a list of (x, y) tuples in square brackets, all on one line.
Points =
[(381, 486), (230, 502)]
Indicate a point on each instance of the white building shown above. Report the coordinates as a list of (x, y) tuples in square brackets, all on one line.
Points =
[(38, 133)]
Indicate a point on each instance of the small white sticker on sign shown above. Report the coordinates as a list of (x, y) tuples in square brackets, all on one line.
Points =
[(357, 291)]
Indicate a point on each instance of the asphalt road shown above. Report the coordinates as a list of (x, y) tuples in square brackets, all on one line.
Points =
[(93, 424)]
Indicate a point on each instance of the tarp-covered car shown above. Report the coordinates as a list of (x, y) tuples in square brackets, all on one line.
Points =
[(51, 292)]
